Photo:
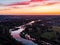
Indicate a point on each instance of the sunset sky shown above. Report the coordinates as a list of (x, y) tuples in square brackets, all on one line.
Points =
[(29, 7)]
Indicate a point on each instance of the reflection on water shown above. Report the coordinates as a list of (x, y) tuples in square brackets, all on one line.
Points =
[(16, 36), (25, 42)]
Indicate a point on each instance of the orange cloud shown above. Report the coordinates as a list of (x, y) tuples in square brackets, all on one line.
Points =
[(36, 10)]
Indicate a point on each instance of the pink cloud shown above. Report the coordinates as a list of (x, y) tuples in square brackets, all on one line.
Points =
[(25, 3), (33, 2), (19, 3), (37, 0)]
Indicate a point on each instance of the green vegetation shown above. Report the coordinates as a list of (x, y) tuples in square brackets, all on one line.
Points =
[(49, 35), (53, 35), (56, 28)]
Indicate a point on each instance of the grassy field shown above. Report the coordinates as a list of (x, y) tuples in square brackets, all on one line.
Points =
[(56, 28), (53, 35)]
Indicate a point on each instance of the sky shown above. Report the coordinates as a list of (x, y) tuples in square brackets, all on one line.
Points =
[(28, 7), (10, 1)]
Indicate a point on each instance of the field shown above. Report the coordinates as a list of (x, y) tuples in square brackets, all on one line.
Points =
[(50, 33)]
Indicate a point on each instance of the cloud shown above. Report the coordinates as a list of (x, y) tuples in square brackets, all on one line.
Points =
[(34, 2), (19, 3), (52, 9), (27, 6)]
